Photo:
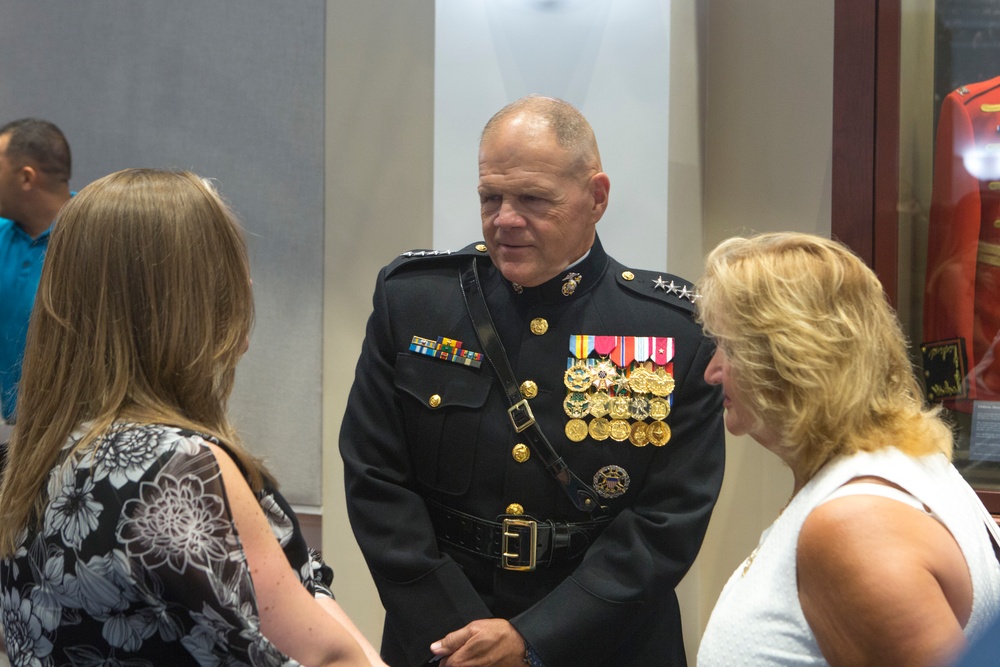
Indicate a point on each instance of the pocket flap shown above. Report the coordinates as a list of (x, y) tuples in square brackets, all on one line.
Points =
[(454, 385)]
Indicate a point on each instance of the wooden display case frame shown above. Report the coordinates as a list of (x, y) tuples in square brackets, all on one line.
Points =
[(865, 172)]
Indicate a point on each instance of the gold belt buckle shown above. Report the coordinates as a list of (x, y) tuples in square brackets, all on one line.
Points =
[(511, 529)]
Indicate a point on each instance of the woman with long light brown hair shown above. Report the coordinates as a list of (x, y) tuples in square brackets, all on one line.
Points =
[(133, 524)]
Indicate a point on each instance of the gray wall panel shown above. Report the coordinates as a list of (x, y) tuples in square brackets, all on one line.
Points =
[(233, 91)]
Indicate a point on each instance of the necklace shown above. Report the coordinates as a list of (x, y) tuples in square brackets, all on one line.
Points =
[(749, 561), (753, 554)]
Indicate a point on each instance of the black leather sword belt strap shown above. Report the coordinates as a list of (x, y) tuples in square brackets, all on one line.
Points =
[(582, 496), (514, 542)]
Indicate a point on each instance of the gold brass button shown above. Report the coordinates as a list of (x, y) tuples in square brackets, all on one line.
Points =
[(481, 247), (434, 401), (521, 453), (514, 508), (539, 326), (529, 389), (628, 275)]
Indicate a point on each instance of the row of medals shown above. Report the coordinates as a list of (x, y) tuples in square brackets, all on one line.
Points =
[(612, 397)]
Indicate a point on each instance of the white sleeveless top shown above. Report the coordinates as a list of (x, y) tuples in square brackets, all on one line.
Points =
[(758, 619)]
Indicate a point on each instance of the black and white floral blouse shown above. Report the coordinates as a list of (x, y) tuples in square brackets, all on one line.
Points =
[(138, 561)]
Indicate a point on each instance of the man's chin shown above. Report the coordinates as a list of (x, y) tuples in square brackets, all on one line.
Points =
[(522, 278)]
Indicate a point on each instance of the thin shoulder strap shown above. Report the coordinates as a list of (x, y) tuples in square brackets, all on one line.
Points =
[(583, 497)]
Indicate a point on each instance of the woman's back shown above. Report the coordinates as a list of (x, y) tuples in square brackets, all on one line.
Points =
[(137, 559)]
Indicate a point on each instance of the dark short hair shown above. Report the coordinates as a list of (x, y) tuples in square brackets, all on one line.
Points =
[(41, 143)]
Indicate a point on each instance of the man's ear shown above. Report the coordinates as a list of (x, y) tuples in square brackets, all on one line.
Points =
[(600, 186), (28, 177)]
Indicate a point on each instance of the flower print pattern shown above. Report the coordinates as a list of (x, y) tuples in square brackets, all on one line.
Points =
[(175, 521), (136, 561), (125, 455), (48, 595), (90, 656), (27, 644), (318, 574), (72, 509), (281, 525)]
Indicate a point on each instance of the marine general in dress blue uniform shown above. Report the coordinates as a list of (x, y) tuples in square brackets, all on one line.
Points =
[(480, 550)]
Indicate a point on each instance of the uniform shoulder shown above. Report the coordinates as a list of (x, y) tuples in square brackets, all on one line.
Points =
[(972, 92), (658, 285), (427, 258)]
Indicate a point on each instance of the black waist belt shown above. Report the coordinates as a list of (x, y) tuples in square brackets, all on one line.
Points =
[(514, 542)]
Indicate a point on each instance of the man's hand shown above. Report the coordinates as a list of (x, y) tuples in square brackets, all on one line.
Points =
[(482, 643)]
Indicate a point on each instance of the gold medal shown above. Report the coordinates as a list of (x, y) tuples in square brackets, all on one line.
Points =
[(659, 408), (620, 430), (600, 403), (577, 377), (639, 435), (576, 430), (576, 404), (659, 433), (638, 381), (638, 407), (600, 429), (619, 407), (661, 382)]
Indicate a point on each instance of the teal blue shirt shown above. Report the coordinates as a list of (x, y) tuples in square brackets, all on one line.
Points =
[(20, 270)]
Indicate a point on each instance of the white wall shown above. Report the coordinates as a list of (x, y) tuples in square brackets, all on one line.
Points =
[(609, 58), (379, 152), (768, 134)]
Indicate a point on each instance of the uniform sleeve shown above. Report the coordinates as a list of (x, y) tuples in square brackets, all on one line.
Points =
[(953, 232), (641, 557), (415, 581), (179, 531)]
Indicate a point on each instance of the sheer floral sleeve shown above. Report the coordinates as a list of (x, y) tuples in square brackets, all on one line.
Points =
[(137, 562)]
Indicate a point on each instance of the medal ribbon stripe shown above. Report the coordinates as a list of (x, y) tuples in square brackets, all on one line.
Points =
[(625, 351), (582, 346), (605, 345), (446, 349), (643, 348), (663, 350)]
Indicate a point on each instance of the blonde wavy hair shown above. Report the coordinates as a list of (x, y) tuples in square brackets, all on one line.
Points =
[(143, 310), (816, 349)]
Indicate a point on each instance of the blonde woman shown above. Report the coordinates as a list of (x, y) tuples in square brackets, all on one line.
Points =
[(883, 555), (134, 527)]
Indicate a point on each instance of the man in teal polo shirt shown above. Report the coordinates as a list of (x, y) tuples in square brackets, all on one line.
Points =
[(35, 167)]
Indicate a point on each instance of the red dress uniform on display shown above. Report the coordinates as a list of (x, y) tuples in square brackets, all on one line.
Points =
[(962, 288)]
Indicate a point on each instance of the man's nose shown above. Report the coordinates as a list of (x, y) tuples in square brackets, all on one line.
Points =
[(508, 216)]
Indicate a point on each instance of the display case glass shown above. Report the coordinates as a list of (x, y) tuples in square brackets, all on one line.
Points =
[(949, 217)]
